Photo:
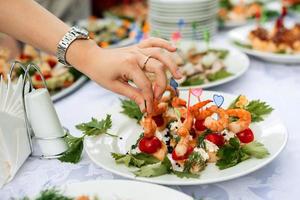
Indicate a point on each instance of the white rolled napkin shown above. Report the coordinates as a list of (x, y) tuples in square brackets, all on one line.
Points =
[(14, 143), (45, 122)]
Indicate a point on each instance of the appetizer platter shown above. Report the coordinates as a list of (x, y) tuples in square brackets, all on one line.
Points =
[(276, 41), (109, 32), (194, 138), (110, 190), (233, 13), (60, 80), (208, 65)]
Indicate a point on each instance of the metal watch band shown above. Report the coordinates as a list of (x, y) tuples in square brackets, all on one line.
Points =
[(73, 34)]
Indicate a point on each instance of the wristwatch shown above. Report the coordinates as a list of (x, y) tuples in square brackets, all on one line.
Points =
[(75, 33)]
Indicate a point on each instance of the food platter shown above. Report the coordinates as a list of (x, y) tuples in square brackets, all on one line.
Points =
[(239, 37), (271, 132), (236, 62)]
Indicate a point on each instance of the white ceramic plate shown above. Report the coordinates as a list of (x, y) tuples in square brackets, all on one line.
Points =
[(271, 132), (69, 90), (236, 62), (122, 43), (124, 190), (241, 35)]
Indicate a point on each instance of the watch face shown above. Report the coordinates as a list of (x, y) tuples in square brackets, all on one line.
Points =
[(81, 31)]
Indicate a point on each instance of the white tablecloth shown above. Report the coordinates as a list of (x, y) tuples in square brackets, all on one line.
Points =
[(277, 84)]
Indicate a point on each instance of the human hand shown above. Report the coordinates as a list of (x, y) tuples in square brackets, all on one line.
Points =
[(113, 68)]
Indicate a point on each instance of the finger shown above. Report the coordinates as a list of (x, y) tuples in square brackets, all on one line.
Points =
[(144, 84), (157, 68), (132, 93), (157, 42), (164, 58)]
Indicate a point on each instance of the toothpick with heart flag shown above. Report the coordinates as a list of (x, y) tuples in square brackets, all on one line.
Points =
[(174, 85), (189, 100), (218, 100), (206, 37), (197, 93)]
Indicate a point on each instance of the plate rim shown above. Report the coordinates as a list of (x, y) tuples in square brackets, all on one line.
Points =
[(198, 181), (121, 181)]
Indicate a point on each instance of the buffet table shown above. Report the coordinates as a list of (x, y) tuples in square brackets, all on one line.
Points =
[(277, 84)]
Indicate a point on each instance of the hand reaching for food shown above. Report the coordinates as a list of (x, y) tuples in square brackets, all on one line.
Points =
[(114, 69)]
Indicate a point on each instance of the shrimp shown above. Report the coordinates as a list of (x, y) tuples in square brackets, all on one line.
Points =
[(185, 138), (149, 126), (195, 110), (173, 93), (216, 124), (242, 123), (161, 153), (182, 146), (184, 130), (178, 102), (159, 108)]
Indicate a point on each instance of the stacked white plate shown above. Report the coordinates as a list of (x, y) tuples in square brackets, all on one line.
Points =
[(164, 17)]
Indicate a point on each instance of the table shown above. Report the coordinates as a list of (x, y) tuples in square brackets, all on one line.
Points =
[(277, 84)]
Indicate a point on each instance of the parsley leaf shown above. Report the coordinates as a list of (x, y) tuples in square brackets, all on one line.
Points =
[(257, 108), (92, 128), (131, 109), (255, 149), (95, 127), (221, 74), (231, 154), (73, 154), (156, 169)]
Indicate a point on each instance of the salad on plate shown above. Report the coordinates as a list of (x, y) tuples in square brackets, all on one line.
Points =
[(202, 66), (236, 12), (109, 31), (182, 139), (57, 76)]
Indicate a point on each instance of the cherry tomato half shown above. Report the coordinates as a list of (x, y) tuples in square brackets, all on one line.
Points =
[(215, 138), (199, 125), (149, 145), (185, 156), (159, 120), (245, 136)]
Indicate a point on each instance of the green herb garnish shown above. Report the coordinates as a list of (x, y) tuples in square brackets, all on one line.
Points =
[(191, 81), (257, 108), (246, 46), (50, 194), (255, 149), (92, 128), (219, 75), (131, 109), (157, 169), (233, 153), (194, 160), (134, 160)]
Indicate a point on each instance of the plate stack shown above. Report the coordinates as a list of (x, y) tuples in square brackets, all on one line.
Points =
[(197, 15)]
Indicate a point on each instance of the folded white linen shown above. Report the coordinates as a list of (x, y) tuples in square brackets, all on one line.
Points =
[(14, 143)]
